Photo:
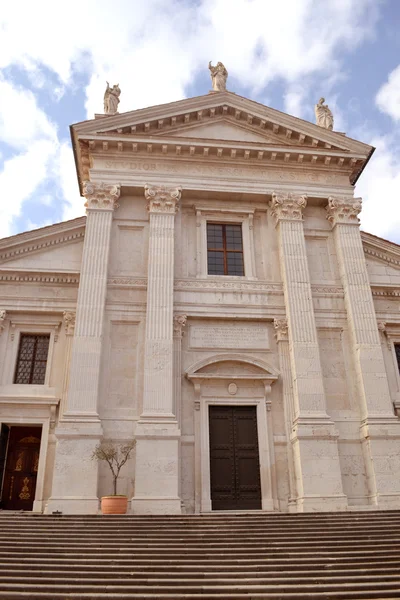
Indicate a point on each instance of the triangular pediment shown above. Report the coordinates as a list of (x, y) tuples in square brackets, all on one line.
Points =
[(225, 130), (57, 247), (382, 256), (219, 125), (203, 111)]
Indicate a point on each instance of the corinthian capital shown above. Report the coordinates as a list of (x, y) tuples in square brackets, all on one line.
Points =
[(69, 322), (281, 330), (343, 210), (179, 324), (161, 199), (101, 196), (288, 207)]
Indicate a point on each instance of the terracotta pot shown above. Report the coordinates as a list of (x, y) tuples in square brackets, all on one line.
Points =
[(114, 505)]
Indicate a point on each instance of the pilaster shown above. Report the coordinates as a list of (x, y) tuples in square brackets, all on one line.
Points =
[(79, 428), (380, 428), (157, 432), (314, 437)]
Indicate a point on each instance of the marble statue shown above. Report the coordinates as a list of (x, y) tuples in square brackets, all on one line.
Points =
[(323, 114), (111, 99), (219, 75)]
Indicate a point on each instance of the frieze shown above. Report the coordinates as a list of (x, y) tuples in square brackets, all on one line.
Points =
[(381, 256), (248, 286), (128, 282), (223, 171)]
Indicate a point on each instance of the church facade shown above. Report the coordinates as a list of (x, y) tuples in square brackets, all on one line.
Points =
[(220, 305)]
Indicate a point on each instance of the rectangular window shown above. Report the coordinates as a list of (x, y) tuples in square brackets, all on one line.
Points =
[(224, 249), (397, 350), (32, 359)]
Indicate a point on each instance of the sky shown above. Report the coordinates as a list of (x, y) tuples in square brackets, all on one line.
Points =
[(56, 57)]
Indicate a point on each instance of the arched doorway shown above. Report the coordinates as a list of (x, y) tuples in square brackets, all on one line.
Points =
[(233, 434)]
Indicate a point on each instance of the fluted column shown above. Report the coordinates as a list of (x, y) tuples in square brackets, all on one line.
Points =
[(314, 436), (101, 200), (158, 401), (157, 472), (282, 339), (380, 428), (79, 428)]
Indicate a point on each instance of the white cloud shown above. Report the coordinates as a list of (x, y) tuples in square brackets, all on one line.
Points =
[(21, 120), (19, 179), (154, 49), (379, 186), (388, 97)]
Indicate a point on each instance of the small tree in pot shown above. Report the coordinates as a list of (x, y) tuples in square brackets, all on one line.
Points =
[(115, 455)]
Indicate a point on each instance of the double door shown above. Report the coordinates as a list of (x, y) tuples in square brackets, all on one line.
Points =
[(234, 458)]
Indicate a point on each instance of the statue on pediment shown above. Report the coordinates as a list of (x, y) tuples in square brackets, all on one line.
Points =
[(111, 99), (219, 75), (323, 114)]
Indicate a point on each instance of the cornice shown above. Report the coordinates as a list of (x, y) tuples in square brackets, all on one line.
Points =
[(382, 255), (52, 278), (43, 232), (15, 249), (224, 103), (389, 291)]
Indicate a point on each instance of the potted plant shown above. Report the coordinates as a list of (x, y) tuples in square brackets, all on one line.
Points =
[(115, 455)]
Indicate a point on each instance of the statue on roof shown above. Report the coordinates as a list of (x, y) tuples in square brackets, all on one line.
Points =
[(219, 75), (111, 99), (323, 114)]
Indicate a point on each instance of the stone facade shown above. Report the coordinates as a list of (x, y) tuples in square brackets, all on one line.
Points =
[(143, 341)]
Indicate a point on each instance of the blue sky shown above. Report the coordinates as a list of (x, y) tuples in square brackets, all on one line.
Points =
[(54, 63)]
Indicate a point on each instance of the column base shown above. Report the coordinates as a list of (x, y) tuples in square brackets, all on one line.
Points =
[(157, 469), (321, 504), (73, 505), (156, 506), (317, 466), (75, 477)]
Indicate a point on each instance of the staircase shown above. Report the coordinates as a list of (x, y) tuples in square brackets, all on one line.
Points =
[(225, 556)]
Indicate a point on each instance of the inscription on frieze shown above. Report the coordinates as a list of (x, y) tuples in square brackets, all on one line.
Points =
[(223, 171), (252, 336)]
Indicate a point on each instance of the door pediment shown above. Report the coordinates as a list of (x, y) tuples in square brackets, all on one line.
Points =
[(232, 367)]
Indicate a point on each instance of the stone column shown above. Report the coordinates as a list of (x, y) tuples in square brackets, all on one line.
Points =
[(282, 338), (380, 428), (79, 429), (157, 432), (314, 437)]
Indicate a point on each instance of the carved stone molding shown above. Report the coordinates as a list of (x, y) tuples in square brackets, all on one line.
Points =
[(382, 326), (40, 245), (69, 322), (179, 324), (101, 196), (27, 277), (288, 207), (281, 330), (3, 316), (343, 210), (162, 199)]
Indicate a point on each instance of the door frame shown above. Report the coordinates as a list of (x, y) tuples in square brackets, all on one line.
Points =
[(39, 412), (267, 502)]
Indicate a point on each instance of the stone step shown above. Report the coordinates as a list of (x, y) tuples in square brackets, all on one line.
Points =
[(117, 571), (184, 586), (393, 594), (198, 581)]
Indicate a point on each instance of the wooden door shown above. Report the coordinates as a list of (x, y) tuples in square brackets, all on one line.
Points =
[(21, 468), (234, 458)]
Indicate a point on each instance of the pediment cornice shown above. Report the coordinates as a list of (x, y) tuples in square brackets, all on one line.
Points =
[(380, 249), (30, 242)]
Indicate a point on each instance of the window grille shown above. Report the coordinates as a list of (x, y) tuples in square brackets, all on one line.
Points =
[(32, 359)]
